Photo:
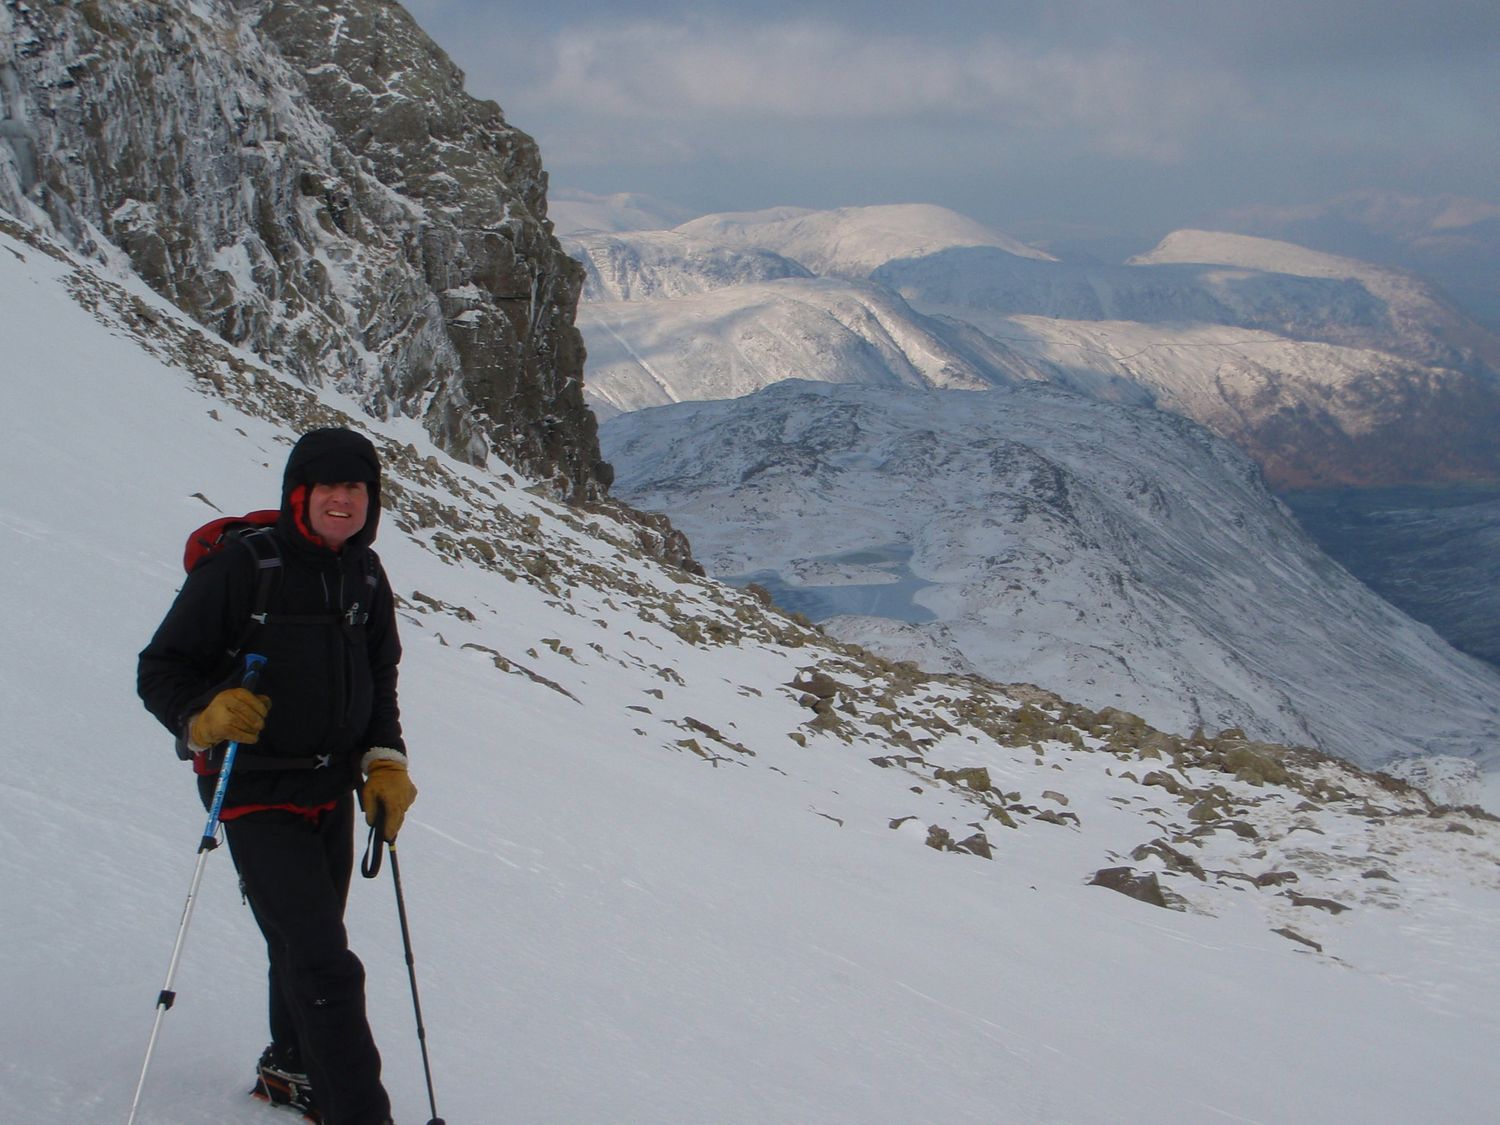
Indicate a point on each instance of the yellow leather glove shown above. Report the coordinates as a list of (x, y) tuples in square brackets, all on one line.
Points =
[(234, 715), (387, 784)]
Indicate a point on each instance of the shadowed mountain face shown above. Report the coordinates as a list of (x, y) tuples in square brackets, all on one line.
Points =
[(1434, 552)]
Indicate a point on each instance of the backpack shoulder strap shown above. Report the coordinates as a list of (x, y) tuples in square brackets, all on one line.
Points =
[(262, 547)]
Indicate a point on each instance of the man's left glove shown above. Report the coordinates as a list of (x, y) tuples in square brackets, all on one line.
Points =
[(386, 784)]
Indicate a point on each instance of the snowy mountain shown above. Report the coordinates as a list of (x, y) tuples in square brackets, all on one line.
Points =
[(671, 316), (735, 339), (676, 858), (1327, 371), (853, 241), (1419, 322), (662, 264), (1121, 557), (1452, 239)]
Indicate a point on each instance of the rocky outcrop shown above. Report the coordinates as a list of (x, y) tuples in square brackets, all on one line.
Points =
[(309, 180)]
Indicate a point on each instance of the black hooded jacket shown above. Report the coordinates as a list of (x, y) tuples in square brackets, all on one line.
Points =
[(332, 684)]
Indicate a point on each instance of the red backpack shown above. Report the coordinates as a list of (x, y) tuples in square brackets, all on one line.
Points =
[(217, 534)]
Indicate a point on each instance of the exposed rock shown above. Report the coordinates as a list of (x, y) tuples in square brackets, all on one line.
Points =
[(1145, 887), (1320, 903), (1275, 878), (1171, 857), (1051, 816), (1166, 781), (818, 684), (1252, 762), (939, 838), (1293, 935), (977, 844), (311, 182), (976, 778)]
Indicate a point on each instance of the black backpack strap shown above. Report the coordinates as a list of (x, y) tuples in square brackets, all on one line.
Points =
[(213, 759), (262, 546), (267, 565), (359, 613)]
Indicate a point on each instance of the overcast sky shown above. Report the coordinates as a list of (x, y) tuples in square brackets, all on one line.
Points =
[(1040, 118)]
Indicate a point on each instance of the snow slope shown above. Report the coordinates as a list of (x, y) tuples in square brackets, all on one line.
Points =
[(647, 881)]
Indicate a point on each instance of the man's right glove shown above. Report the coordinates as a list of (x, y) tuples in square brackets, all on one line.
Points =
[(234, 715)]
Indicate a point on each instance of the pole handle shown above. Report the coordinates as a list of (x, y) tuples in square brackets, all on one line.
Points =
[(255, 663)]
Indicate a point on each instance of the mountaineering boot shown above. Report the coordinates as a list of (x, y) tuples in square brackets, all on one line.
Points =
[(281, 1079)]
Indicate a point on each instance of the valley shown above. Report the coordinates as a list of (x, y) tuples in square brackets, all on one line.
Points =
[(1433, 552)]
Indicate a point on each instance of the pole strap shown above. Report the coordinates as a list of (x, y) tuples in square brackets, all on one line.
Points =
[(369, 866)]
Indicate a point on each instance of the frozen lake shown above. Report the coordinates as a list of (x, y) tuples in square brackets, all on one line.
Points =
[(872, 582)]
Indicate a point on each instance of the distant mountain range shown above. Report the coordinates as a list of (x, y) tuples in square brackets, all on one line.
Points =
[(1326, 370)]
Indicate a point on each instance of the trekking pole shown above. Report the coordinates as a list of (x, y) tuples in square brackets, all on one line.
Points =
[(164, 1000), (370, 868)]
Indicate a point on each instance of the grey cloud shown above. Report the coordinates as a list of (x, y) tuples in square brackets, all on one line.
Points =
[(1120, 113)]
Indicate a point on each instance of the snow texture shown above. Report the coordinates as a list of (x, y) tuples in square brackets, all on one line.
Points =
[(648, 881)]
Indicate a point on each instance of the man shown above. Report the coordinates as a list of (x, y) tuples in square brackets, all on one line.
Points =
[(323, 713)]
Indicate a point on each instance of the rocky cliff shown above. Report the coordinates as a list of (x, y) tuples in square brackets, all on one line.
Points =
[(309, 180)]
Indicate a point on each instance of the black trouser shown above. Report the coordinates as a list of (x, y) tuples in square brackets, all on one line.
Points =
[(295, 874)]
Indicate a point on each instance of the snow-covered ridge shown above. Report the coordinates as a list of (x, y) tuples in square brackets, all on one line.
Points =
[(631, 779), (1120, 557), (853, 241), (1416, 309), (1453, 240), (1267, 254), (729, 341), (651, 265)]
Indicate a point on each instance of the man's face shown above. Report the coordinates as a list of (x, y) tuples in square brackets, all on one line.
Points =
[(336, 512)]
